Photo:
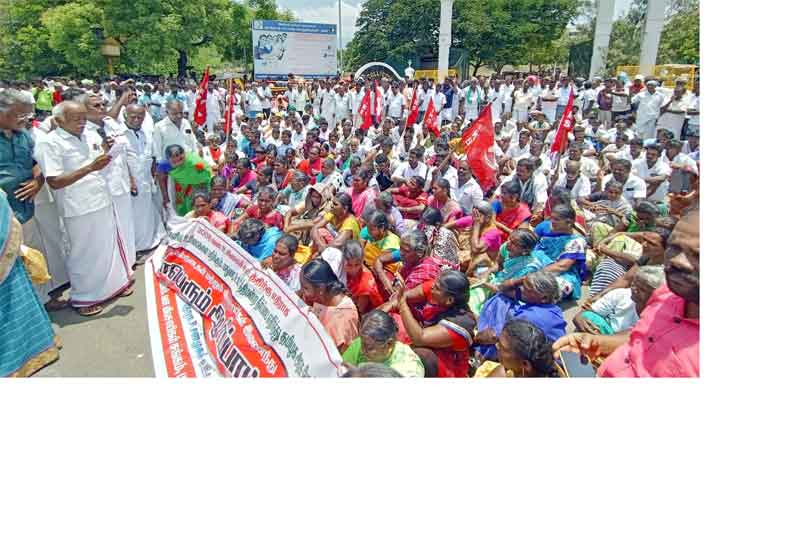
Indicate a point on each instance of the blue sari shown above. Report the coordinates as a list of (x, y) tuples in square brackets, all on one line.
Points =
[(266, 245), (566, 247), (500, 309), (27, 342), (513, 268)]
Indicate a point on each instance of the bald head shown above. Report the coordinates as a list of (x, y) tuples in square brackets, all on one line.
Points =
[(71, 117), (134, 116)]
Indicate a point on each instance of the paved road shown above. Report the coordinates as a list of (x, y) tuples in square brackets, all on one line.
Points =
[(116, 343)]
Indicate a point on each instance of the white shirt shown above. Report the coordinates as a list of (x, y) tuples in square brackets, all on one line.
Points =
[(587, 167), (451, 175), (580, 189), (660, 168), (517, 153), (634, 188), (424, 98), (116, 174), (538, 184), (265, 96), (405, 170), (395, 102), (252, 100), (167, 133), (139, 158), (60, 152), (342, 104), (649, 104), (617, 308), (213, 103), (468, 195)]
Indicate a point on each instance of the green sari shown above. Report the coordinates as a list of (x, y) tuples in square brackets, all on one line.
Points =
[(513, 268), (191, 176)]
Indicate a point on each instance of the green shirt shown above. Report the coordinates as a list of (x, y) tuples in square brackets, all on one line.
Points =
[(402, 359), (44, 99)]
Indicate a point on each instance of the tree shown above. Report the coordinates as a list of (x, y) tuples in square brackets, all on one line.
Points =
[(680, 42), (24, 47), (495, 32), (70, 28)]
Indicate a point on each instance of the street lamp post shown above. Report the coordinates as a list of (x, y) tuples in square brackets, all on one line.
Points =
[(110, 49), (340, 37), (444, 38)]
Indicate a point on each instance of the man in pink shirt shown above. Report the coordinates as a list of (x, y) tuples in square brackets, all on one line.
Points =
[(665, 342)]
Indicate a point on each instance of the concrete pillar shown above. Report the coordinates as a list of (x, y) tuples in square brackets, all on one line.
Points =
[(654, 23), (444, 38), (603, 29)]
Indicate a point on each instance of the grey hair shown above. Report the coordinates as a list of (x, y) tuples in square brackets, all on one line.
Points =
[(613, 184), (372, 370), (352, 250), (545, 284), (484, 207), (173, 101), (11, 97), (416, 240), (653, 275), (379, 326)]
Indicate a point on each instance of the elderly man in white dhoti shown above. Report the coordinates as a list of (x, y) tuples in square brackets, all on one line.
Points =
[(148, 204), (71, 159), (117, 174)]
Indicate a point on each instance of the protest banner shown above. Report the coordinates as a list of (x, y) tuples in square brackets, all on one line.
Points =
[(213, 311)]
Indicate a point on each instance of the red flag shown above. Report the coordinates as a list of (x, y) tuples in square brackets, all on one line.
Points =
[(565, 127), (200, 114), (365, 112), (413, 112), (478, 141), (378, 104), (230, 109), (431, 118)]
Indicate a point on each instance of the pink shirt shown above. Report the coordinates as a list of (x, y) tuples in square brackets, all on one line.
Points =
[(662, 344)]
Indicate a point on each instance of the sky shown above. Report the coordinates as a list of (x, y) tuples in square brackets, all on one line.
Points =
[(326, 11)]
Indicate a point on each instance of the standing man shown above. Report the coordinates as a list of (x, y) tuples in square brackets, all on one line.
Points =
[(341, 105), (147, 205), (21, 180), (172, 130), (473, 96), (43, 96), (253, 103), (72, 158), (214, 111), (328, 106), (524, 100), (395, 103), (649, 104)]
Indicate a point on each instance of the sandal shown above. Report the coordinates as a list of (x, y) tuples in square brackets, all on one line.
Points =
[(93, 310), (128, 292), (55, 304)]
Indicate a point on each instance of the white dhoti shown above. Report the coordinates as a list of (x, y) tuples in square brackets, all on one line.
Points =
[(98, 267), (520, 116), (471, 113), (45, 233), (212, 119), (672, 122), (646, 127), (149, 229), (447, 114), (126, 222)]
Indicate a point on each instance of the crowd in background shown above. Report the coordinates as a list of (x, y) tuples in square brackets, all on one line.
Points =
[(414, 265)]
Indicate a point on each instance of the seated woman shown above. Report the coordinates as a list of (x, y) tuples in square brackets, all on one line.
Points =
[(257, 238), (359, 280), (377, 239), (512, 213), (283, 263), (619, 309), (486, 237), (409, 198), (515, 261), (560, 196), (442, 241), (335, 227), (229, 168), (202, 209), (613, 265), (445, 324), (312, 165), (417, 266), (213, 153), (299, 221), (231, 205), (523, 351), (263, 209), (327, 297), (244, 181), (188, 174), (377, 343), (565, 250), (294, 195), (360, 194), (441, 199), (535, 302), (606, 212)]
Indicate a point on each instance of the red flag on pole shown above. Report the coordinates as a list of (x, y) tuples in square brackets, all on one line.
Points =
[(200, 114), (431, 118), (565, 127), (230, 108), (478, 141), (365, 112), (413, 112)]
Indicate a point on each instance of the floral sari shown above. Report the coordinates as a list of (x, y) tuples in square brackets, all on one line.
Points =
[(361, 200)]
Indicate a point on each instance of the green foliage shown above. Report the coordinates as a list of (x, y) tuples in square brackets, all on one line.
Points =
[(680, 43), (70, 32), (494, 32), (24, 48)]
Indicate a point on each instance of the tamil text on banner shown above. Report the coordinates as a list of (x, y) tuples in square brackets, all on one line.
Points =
[(213, 311), (288, 47)]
